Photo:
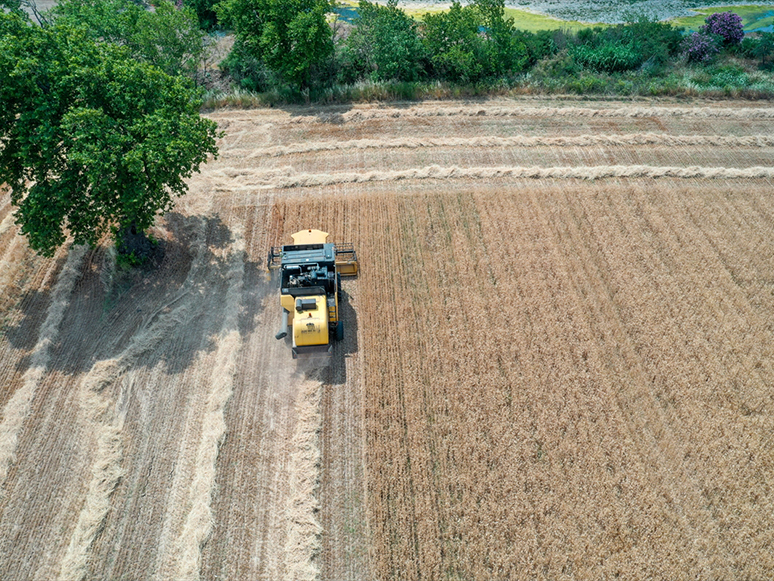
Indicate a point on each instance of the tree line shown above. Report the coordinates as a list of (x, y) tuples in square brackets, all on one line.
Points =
[(292, 42)]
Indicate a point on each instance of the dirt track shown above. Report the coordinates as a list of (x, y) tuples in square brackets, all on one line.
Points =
[(554, 369)]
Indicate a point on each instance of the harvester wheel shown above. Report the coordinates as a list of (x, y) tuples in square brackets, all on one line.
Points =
[(340, 331)]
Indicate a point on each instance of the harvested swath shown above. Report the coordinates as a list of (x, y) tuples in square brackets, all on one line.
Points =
[(388, 113), (105, 475), (16, 410), (515, 141), (303, 539), (6, 223), (186, 557), (286, 178)]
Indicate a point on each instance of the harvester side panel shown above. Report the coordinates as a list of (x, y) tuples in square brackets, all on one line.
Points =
[(346, 260)]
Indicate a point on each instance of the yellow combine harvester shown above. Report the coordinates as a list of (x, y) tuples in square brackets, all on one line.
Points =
[(310, 290)]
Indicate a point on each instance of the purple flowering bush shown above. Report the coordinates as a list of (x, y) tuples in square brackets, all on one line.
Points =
[(699, 47), (727, 25)]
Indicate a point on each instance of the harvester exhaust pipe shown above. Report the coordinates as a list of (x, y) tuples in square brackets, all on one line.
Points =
[(284, 332)]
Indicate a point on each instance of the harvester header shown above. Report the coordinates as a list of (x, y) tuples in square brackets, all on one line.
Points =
[(310, 289)]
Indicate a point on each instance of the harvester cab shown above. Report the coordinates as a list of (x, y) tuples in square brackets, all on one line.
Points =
[(310, 290)]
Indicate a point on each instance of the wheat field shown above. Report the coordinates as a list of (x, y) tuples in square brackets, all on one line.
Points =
[(557, 363)]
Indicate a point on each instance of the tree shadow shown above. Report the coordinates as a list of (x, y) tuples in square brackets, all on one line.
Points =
[(24, 334), (330, 114), (168, 313), (335, 114)]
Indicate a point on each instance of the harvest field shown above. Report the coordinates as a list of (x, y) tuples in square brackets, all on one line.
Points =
[(558, 361)]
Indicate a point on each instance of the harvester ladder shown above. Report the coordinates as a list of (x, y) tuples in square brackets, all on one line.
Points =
[(274, 259)]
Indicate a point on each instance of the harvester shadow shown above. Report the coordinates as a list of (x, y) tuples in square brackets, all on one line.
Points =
[(167, 314)]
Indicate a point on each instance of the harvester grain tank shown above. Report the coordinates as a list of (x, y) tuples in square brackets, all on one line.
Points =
[(310, 290)]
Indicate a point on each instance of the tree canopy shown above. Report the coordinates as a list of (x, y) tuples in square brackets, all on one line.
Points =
[(457, 50), (167, 37), (385, 44), (91, 139), (288, 36)]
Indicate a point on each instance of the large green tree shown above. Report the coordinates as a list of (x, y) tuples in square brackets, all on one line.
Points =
[(167, 37), (455, 47), (289, 36), (385, 44), (92, 140), (506, 51)]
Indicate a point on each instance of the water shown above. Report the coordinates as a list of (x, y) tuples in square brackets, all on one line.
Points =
[(346, 13)]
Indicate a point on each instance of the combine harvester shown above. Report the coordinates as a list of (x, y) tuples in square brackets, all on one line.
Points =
[(310, 290)]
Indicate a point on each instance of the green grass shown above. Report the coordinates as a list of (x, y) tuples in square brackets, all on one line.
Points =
[(523, 20), (753, 16), (534, 22)]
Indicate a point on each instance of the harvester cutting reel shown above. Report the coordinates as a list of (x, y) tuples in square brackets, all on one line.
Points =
[(310, 289)]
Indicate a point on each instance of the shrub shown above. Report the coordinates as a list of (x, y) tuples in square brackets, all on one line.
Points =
[(747, 47), (765, 50), (586, 84), (654, 41), (609, 57), (247, 70), (726, 25), (627, 46), (539, 45), (699, 47), (560, 65)]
